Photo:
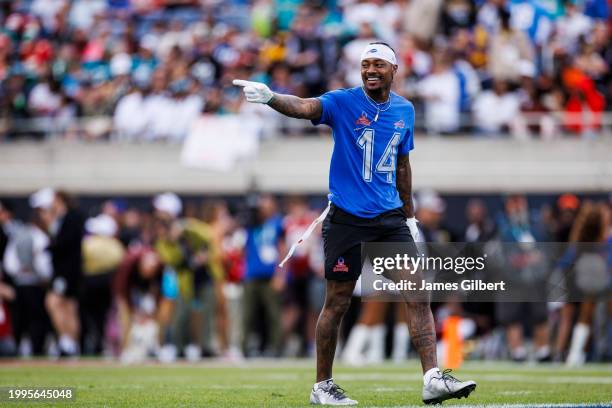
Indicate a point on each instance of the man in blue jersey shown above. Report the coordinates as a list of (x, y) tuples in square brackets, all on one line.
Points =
[(370, 184)]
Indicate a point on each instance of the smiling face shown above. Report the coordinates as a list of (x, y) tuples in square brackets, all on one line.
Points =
[(377, 74)]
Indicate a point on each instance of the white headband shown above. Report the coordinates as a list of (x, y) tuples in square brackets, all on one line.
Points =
[(380, 51)]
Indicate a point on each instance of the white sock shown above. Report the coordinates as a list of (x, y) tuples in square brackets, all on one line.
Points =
[(519, 353), (401, 342), (543, 352), (67, 344), (355, 344), (376, 351), (430, 373), (580, 335), (323, 384)]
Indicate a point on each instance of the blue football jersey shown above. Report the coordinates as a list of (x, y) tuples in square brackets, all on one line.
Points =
[(363, 164)]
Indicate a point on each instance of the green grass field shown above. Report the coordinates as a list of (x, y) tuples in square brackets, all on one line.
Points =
[(287, 383)]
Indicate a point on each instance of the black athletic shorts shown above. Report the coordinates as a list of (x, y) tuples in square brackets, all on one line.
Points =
[(67, 286), (343, 234)]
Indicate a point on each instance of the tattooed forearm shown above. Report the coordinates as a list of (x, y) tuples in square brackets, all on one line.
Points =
[(296, 107), (403, 184), (423, 333)]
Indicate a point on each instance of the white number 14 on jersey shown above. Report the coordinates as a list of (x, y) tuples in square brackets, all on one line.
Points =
[(386, 163)]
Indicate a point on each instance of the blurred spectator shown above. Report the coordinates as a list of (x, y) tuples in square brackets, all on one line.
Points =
[(66, 229), (129, 121), (571, 27), (312, 57), (188, 247), (45, 99), (584, 107), (27, 263), (298, 320), (495, 110), (441, 93), (536, 118), (263, 280), (352, 54), (592, 253), (102, 254), (422, 18), (220, 222), (144, 302), (234, 264), (508, 48), (430, 208), (366, 342), (6, 222), (567, 209), (457, 14), (481, 227), (526, 270)]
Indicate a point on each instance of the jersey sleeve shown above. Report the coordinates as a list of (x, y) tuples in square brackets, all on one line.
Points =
[(407, 143), (330, 105)]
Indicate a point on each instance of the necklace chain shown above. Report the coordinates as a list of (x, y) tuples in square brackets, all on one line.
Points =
[(376, 104)]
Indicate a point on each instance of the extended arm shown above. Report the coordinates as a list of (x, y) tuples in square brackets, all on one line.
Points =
[(296, 107), (289, 105), (404, 184)]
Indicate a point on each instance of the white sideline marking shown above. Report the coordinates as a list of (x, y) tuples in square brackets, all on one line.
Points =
[(524, 392), (481, 377), (555, 405), (233, 387), (394, 389)]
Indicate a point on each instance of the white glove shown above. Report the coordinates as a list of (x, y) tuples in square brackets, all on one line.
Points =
[(411, 223), (255, 92)]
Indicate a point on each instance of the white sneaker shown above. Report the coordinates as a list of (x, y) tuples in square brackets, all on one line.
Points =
[(328, 393), (444, 386)]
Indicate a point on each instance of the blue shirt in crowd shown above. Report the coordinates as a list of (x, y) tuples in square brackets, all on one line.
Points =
[(262, 248)]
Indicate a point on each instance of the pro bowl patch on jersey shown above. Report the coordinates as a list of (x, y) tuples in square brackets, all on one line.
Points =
[(363, 120), (340, 266), (399, 124)]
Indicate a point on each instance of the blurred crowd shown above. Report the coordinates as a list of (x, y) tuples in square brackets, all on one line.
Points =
[(145, 69), (194, 279)]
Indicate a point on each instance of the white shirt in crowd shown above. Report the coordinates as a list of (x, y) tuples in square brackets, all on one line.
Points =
[(492, 111), (83, 12), (352, 57), (186, 110), (47, 10), (156, 117), (441, 94), (570, 28), (32, 240), (159, 112), (357, 14), (129, 120), (43, 100)]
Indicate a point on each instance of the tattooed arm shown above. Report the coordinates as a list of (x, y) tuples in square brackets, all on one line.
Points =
[(296, 107), (403, 183)]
